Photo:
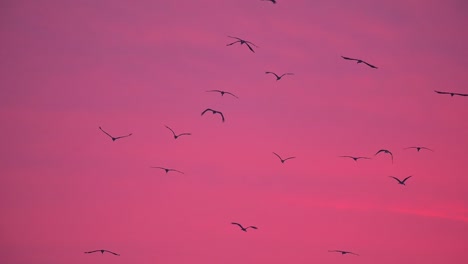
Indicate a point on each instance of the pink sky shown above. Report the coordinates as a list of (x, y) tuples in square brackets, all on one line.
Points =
[(68, 67)]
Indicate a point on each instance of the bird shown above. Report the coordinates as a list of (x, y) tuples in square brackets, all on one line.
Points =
[(242, 228), (343, 252), (176, 136), (166, 169), (279, 77), (102, 251), (114, 138), (273, 1), (355, 158), (214, 112), (223, 92), (451, 93), (419, 148), (283, 160), (359, 61), (241, 41), (385, 151), (402, 182)]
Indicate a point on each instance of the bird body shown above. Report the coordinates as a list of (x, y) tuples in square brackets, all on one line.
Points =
[(343, 252), (273, 1), (176, 136), (355, 158), (223, 92), (102, 252), (360, 61), (451, 93), (283, 160), (244, 228), (214, 112), (419, 148), (242, 41), (402, 182), (167, 170), (280, 76), (114, 138)]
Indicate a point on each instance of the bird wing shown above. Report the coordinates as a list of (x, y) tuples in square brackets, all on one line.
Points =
[(254, 227), (250, 43), (346, 58), (232, 94), (214, 91), (247, 43), (106, 132), (370, 65), (352, 253), (158, 168), (170, 130), (222, 116), (289, 158), (335, 251), (232, 43), (288, 73), (347, 157), (427, 148), (382, 150), (208, 109), (406, 178), (124, 136), (363, 158), (92, 251), (112, 252), (439, 92), (460, 94), (235, 38), (182, 134), (272, 73), (395, 178), (176, 171), (278, 156), (238, 225)]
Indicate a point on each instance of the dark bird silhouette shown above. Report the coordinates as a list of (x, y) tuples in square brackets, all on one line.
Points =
[(114, 138), (241, 41), (244, 229), (279, 77), (273, 1), (343, 252), (176, 136), (166, 169), (214, 112), (223, 92), (399, 181), (451, 93), (359, 61), (355, 158), (385, 151), (283, 160), (419, 148), (102, 251)]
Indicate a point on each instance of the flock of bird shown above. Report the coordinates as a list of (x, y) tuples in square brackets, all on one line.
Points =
[(250, 46)]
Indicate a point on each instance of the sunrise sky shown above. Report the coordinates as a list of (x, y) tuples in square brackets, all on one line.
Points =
[(68, 67)]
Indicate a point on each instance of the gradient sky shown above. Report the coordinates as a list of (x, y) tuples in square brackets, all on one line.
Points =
[(68, 67)]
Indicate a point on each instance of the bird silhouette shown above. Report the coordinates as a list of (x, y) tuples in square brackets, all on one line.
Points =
[(419, 148), (273, 1), (359, 61), (241, 41), (166, 169), (385, 151), (223, 92), (402, 182), (102, 251), (242, 228), (114, 138), (355, 158), (176, 136), (451, 93), (283, 160), (343, 252), (279, 77), (214, 112)]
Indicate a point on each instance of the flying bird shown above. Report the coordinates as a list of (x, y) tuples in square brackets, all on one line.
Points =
[(283, 160), (244, 229), (223, 92), (114, 138), (241, 41), (385, 151), (102, 251), (176, 136), (402, 182), (279, 77), (214, 112), (355, 158), (343, 252), (359, 61), (451, 93), (273, 1), (419, 148), (166, 169)]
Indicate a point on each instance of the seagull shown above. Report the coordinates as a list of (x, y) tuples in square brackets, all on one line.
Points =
[(451, 93), (166, 169), (244, 229), (214, 112), (176, 136), (242, 42), (355, 158), (419, 148), (385, 151), (343, 252), (223, 92), (102, 251), (359, 61), (402, 182), (279, 77), (273, 1), (114, 138), (283, 160)]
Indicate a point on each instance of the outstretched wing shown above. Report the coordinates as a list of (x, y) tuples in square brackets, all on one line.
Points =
[(288, 73), (222, 116), (440, 92), (184, 134), (254, 227), (124, 136), (235, 38), (370, 65), (346, 58), (382, 150), (232, 94), (170, 130), (247, 43), (92, 251), (229, 44), (219, 91), (158, 168), (112, 252), (278, 156), (395, 178), (238, 225), (363, 158), (289, 158), (208, 109), (426, 148), (460, 94), (272, 73), (176, 171), (406, 178), (106, 132)]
